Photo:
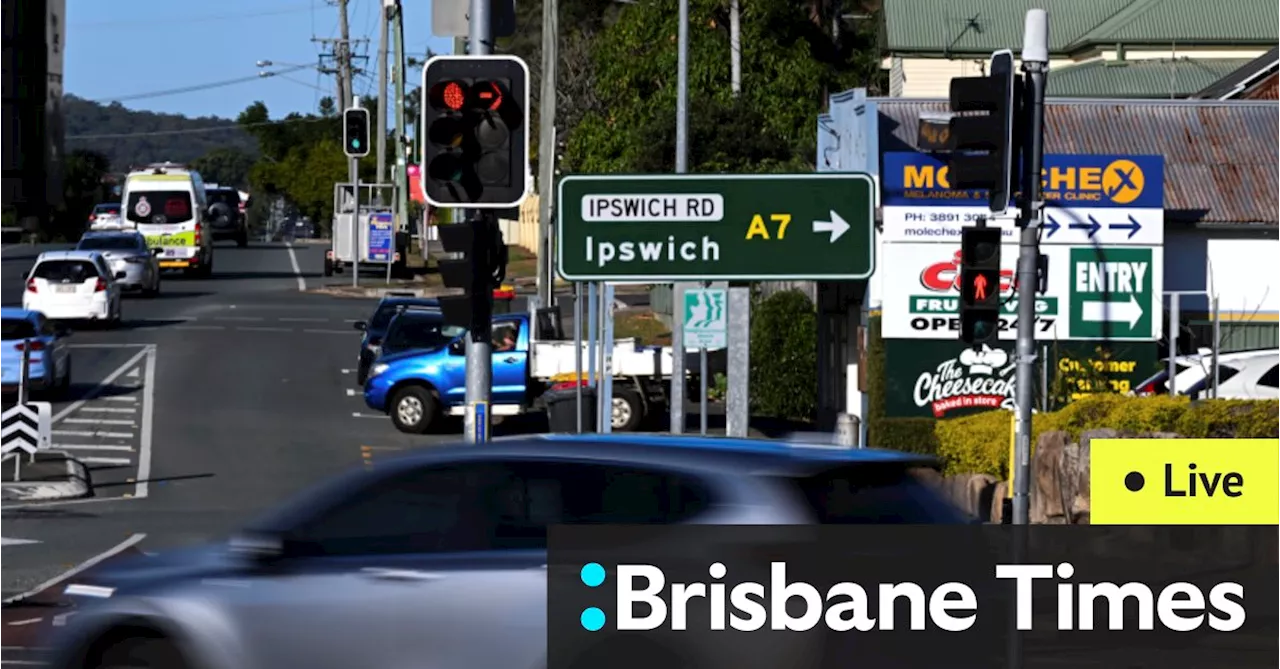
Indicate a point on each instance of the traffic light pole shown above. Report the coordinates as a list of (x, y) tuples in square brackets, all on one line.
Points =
[(1035, 66), (353, 173), (479, 353)]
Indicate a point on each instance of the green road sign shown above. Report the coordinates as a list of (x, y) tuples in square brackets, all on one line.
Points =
[(1112, 294), (706, 318), (703, 227)]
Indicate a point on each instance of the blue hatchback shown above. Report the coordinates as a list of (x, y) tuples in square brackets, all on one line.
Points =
[(375, 329), (48, 356)]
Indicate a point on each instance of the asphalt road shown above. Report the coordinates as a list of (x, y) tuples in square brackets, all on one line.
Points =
[(213, 402)]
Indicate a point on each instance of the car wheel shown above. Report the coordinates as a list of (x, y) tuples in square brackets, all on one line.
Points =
[(628, 411), (138, 653), (412, 409)]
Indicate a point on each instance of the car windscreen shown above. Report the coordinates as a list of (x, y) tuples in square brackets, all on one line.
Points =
[(17, 328), (110, 243), (159, 206), (382, 317), (426, 331), (65, 271), (1225, 372), (875, 493)]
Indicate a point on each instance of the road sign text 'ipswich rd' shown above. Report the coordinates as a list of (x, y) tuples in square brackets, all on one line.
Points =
[(696, 227)]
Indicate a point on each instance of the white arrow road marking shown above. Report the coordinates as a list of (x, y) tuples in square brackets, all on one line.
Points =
[(1113, 312), (836, 226), (7, 541)]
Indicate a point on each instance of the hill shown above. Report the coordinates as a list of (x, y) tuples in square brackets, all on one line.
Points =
[(117, 132)]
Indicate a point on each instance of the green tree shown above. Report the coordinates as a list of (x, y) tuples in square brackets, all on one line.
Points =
[(784, 357), (227, 167), (82, 189), (789, 64)]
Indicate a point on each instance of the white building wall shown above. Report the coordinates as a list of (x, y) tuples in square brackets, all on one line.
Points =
[(1240, 267)]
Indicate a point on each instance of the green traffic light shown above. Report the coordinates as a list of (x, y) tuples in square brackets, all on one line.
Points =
[(355, 143)]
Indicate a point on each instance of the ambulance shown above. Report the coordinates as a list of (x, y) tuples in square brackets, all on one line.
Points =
[(166, 201)]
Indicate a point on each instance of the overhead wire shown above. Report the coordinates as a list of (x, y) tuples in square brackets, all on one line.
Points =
[(194, 131), (197, 87)]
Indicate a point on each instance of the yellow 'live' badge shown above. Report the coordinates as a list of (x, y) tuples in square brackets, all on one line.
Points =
[(1184, 481)]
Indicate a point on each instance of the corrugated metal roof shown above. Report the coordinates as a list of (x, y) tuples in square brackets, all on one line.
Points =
[(981, 26), (1220, 156), (1154, 78), (1244, 78)]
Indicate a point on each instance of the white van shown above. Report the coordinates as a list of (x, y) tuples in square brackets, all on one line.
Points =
[(166, 201)]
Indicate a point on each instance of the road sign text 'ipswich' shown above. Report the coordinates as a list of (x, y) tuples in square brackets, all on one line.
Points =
[(715, 227)]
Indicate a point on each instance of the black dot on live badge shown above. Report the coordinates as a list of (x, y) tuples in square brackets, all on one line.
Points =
[(1134, 481)]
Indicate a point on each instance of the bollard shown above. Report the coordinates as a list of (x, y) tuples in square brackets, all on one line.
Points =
[(847, 430)]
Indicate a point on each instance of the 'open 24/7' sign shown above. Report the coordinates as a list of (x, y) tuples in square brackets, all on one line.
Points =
[(1115, 293), (682, 227)]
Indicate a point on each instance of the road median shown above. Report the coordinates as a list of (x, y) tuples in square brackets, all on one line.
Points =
[(50, 475)]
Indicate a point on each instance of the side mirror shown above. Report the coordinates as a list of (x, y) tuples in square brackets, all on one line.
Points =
[(121, 275), (360, 325)]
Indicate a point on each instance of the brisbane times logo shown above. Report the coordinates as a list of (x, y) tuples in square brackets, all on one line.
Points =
[(644, 600)]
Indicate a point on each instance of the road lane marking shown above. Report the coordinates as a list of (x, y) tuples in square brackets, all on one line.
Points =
[(98, 460), (341, 332), (103, 385), (109, 409), (351, 392), (238, 318), (199, 327), (12, 541), (262, 329), (357, 414), (87, 564), (293, 260), (83, 433), (144, 440), (303, 320), (99, 421), (347, 371), (93, 447), (120, 398)]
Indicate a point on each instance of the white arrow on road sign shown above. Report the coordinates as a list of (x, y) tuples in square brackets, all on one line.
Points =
[(6, 541), (836, 226), (1113, 312)]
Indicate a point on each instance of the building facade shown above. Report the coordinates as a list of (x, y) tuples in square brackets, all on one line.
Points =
[(34, 39)]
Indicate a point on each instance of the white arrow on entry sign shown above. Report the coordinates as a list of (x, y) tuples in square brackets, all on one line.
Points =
[(1113, 312)]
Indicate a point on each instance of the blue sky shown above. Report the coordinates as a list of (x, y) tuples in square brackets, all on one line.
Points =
[(122, 48)]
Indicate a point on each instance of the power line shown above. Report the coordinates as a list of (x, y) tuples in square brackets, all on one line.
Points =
[(196, 88), (192, 131), (291, 9)]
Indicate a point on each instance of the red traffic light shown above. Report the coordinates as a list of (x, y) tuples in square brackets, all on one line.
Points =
[(980, 286), (487, 95), (449, 95)]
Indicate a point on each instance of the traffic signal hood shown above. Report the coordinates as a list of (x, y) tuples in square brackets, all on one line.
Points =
[(476, 143), (480, 269), (986, 146), (980, 299), (355, 132)]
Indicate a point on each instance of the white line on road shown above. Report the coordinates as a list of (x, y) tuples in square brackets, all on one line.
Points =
[(246, 328), (120, 398), (85, 433), (148, 408), (347, 371), (238, 318), (341, 332), (110, 409), (293, 260), (107, 345), (99, 421), (351, 392), (93, 447), (303, 320), (98, 460), (357, 414), (199, 327), (103, 385), (87, 564)]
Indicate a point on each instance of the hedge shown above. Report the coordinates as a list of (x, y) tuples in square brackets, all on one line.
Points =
[(784, 357), (980, 443)]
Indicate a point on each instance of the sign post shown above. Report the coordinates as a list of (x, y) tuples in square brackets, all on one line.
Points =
[(729, 227), (706, 327)]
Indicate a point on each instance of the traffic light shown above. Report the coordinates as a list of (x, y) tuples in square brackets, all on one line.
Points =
[(985, 148), (475, 144), (480, 269), (355, 132), (979, 284)]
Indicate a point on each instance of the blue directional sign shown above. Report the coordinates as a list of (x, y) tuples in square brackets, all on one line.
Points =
[(382, 237)]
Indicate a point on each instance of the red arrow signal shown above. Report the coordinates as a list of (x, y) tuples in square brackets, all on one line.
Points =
[(491, 96)]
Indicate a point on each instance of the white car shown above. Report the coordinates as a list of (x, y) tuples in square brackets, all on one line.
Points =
[(74, 285), (1193, 372)]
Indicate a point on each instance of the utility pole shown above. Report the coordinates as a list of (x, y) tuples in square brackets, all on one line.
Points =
[(682, 166), (343, 53), (400, 139), (381, 140), (735, 47), (547, 147), (1035, 68)]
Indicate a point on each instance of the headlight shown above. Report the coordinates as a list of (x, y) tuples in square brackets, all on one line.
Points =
[(378, 369)]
